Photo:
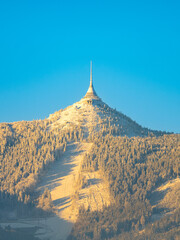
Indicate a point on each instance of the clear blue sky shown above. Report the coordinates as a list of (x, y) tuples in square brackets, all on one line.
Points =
[(46, 48)]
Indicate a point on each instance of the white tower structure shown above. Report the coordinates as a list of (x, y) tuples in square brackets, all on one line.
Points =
[(91, 94)]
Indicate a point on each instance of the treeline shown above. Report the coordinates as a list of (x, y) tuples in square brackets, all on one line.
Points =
[(26, 149), (133, 167), (112, 223)]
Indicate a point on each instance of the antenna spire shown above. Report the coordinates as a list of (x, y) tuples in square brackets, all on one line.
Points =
[(90, 73), (91, 94)]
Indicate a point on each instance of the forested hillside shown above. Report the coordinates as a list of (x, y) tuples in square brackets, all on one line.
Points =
[(133, 167), (26, 149)]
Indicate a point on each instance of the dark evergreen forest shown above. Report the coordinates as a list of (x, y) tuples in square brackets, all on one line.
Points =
[(132, 167)]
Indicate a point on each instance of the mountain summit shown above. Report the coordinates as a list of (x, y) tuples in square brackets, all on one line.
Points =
[(92, 114)]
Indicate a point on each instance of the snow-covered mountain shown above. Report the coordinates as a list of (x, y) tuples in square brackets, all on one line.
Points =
[(92, 114)]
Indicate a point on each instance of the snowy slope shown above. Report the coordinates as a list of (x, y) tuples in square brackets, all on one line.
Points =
[(93, 115)]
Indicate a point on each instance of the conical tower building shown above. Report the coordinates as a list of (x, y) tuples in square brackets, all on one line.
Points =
[(91, 93)]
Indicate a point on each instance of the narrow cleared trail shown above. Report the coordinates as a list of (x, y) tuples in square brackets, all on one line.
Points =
[(167, 197), (61, 180), (96, 193)]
